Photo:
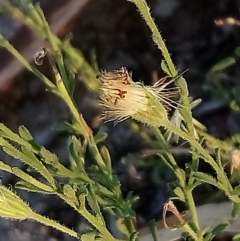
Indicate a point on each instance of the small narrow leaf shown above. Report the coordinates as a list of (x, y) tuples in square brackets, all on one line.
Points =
[(72, 82), (76, 153), (194, 185), (7, 133), (236, 190), (179, 192), (27, 157), (219, 228), (236, 237), (133, 236), (92, 200), (193, 226), (107, 159), (223, 64), (49, 157), (24, 176), (5, 167), (235, 210), (153, 230), (70, 194), (63, 127), (33, 161), (25, 134), (122, 227), (88, 237), (24, 185), (100, 137), (203, 177), (165, 67), (208, 237)]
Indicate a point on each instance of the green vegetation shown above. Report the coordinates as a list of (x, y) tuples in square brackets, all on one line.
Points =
[(98, 186)]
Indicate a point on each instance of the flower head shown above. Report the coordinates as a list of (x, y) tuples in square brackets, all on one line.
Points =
[(123, 98), (235, 161)]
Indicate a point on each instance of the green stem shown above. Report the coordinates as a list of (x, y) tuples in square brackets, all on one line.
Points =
[(188, 193), (169, 159), (90, 218), (192, 206), (204, 154), (5, 44), (94, 221), (195, 236), (158, 39), (227, 188), (216, 143), (83, 127), (54, 224)]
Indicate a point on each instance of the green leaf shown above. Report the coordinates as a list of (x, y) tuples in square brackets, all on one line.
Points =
[(64, 127), (10, 135), (77, 153), (218, 156), (223, 64), (70, 194), (237, 51), (30, 159), (236, 190), (27, 157), (165, 67), (179, 192), (219, 228), (24, 185), (122, 227), (49, 157), (208, 237), (72, 83), (133, 236), (5, 167), (92, 200), (25, 134), (203, 177), (88, 237), (236, 237), (153, 230), (100, 137), (82, 201), (194, 185), (28, 178), (107, 159), (193, 226), (183, 175), (235, 210)]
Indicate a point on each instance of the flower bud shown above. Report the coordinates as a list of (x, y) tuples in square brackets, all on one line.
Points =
[(12, 206)]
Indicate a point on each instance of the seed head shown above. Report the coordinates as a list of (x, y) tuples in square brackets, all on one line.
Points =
[(123, 98)]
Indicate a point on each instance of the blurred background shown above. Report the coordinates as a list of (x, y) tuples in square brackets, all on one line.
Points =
[(203, 38)]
